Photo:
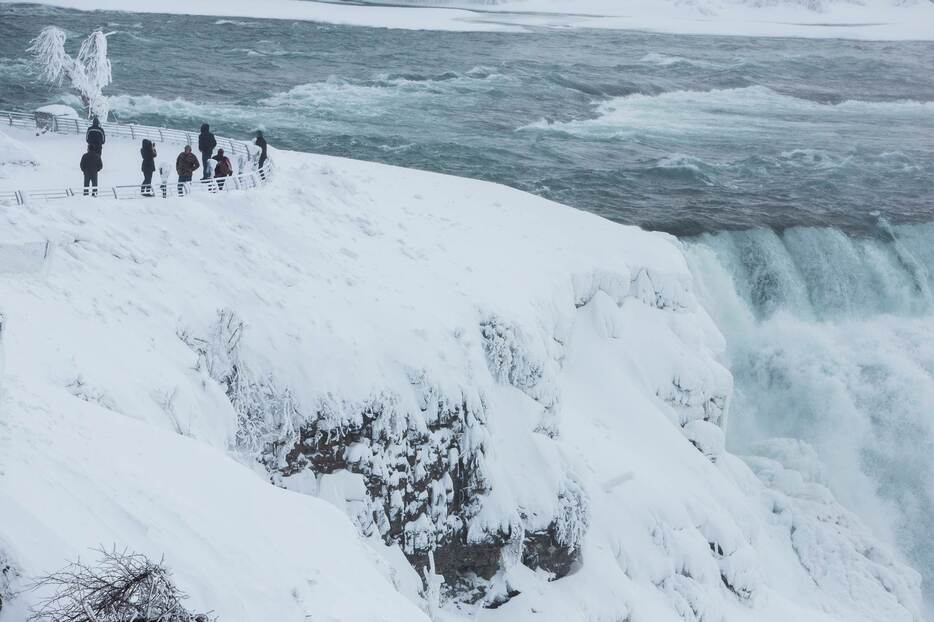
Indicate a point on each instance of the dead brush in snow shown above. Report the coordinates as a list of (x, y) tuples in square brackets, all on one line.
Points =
[(120, 587)]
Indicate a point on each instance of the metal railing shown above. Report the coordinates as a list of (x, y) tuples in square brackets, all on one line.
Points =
[(18, 119), (251, 178), (72, 125), (166, 189)]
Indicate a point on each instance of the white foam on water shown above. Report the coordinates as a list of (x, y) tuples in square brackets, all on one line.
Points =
[(746, 110)]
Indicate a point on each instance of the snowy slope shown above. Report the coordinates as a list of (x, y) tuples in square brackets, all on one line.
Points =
[(564, 359), (843, 19)]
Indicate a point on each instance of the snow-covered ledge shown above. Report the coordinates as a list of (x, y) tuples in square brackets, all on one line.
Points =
[(25, 188), (451, 364)]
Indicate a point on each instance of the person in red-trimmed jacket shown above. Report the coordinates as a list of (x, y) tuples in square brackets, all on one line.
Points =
[(222, 169)]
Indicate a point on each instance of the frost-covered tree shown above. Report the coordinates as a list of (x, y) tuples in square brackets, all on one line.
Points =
[(88, 73)]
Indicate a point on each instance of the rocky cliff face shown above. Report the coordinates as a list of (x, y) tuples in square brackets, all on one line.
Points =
[(415, 478), (425, 478)]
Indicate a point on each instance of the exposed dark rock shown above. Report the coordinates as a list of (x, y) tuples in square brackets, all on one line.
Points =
[(541, 549), (457, 559)]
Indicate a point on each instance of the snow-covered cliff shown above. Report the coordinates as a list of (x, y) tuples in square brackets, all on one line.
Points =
[(529, 392)]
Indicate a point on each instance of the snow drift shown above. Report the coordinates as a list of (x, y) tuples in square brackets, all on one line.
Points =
[(14, 155), (528, 393)]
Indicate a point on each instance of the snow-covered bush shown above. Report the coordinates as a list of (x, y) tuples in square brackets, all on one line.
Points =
[(516, 359), (573, 516), (266, 413), (88, 73), (120, 587)]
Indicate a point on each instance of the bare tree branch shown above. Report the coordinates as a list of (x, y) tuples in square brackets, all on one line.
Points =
[(121, 587)]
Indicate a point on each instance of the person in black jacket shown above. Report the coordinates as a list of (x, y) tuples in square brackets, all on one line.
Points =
[(148, 152), (95, 137), (206, 144), (91, 165), (261, 143)]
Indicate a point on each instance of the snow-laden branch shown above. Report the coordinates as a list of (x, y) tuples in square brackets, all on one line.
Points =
[(121, 587), (88, 74)]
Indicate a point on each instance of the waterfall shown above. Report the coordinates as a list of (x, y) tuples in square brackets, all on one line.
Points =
[(831, 341)]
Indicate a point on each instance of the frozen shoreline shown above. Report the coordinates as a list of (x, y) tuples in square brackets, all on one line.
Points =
[(875, 21)]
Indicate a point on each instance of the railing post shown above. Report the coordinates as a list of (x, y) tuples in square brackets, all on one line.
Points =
[(161, 139), (77, 131), (132, 133), (20, 200)]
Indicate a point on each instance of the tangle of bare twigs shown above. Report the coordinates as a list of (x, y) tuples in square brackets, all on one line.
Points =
[(121, 587)]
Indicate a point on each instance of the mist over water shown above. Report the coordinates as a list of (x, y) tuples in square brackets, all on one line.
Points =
[(798, 173)]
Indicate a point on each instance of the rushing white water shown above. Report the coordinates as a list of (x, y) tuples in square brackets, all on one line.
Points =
[(831, 341)]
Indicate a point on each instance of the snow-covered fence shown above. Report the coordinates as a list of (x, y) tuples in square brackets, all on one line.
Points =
[(74, 125), (10, 196), (243, 181), (18, 119), (251, 178)]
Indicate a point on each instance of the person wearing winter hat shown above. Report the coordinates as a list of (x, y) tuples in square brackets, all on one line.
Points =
[(206, 144)]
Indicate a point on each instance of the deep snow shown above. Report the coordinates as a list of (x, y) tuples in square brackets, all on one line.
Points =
[(354, 278), (871, 19)]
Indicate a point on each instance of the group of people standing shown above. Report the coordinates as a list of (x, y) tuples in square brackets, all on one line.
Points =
[(217, 166)]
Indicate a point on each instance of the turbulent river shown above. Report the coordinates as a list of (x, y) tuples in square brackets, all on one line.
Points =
[(797, 172)]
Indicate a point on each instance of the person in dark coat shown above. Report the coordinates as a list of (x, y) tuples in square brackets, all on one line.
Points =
[(95, 136), (222, 169), (148, 152), (91, 165), (185, 165), (206, 144), (261, 143)]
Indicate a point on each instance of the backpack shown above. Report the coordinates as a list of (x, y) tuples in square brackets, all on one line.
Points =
[(95, 136)]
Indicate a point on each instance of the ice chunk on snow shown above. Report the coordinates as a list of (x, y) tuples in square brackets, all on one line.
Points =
[(58, 110)]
